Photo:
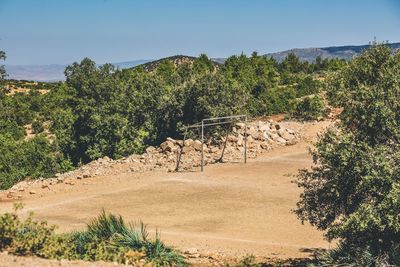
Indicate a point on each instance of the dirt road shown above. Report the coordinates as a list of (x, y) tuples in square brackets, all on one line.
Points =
[(232, 208)]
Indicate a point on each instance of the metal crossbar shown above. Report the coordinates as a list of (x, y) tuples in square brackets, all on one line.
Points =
[(202, 124)]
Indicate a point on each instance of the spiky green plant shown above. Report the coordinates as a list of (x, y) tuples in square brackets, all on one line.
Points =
[(116, 233)]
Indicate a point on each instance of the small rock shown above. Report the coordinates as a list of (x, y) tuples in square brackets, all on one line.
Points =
[(240, 125), (290, 131), (191, 251), (214, 149), (150, 149), (32, 192), (240, 140), (265, 145), (232, 138), (281, 140)]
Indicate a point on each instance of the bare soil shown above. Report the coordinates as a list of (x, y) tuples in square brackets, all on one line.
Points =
[(227, 211)]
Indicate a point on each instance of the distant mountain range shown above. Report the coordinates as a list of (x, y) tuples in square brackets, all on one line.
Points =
[(342, 52), (55, 72)]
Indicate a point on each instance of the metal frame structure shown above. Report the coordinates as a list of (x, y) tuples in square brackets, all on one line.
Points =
[(212, 122)]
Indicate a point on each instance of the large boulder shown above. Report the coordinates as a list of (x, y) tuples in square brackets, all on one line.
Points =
[(284, 134), (252, 131), (189, 142), (273, 136), (197, 145), (264, 127), (167, 146), (171, 140), (294, 140)]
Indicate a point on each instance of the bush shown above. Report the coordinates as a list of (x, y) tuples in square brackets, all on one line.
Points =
[(107, 238), (309, 108), (12, 129), (37, 127), (36, 158), (353, 190), (23, 237)]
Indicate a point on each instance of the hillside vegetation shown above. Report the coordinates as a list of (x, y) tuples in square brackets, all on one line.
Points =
[(104, 111)]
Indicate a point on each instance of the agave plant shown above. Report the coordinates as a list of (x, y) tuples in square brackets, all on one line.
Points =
[(119, 235)]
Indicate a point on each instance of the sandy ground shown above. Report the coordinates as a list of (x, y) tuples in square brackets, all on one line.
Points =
[(232, 209)]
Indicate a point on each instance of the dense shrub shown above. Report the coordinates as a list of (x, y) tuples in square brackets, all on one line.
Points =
[(353, 191), (11, 129), (309, 108), (35, 158), (103, 111), (37, 127), (107, 238)]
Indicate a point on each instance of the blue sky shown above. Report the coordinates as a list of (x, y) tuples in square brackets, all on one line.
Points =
[(63, 31)]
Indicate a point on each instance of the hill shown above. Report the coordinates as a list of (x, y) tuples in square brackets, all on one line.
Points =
[(342, 52), (176, 60)]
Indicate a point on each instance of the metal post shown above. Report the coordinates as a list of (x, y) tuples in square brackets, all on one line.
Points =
[(245, 139), (202, 144), (226, 140)]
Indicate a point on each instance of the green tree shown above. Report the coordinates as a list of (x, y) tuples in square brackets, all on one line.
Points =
[(203, 64), (292, 64), (309, 108), (353, 191), (3, 73)]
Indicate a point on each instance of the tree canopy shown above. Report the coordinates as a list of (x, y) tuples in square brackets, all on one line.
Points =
[(103, 111), (353, 191)]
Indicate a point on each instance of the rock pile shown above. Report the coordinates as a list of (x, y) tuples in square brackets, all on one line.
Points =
[(261, 136)]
